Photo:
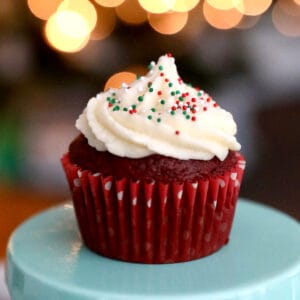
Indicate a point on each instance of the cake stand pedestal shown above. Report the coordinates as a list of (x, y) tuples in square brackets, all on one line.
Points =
[(47, 260)]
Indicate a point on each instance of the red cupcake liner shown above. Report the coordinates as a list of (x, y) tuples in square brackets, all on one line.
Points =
[(153, 222)]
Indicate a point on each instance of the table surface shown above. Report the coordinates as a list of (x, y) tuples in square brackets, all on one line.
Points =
[(261, 262)]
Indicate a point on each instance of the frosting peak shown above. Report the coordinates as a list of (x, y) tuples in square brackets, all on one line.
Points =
[(158, 113)]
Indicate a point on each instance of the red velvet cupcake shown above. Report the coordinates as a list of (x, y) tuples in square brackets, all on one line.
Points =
[(155, 173)]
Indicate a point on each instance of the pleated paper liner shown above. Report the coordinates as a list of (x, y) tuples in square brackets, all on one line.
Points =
[(153, 222)]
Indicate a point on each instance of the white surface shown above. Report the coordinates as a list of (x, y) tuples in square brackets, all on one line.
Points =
[(3, 290)]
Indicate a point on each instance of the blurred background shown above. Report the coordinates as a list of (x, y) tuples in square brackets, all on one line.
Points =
[(56, 54)]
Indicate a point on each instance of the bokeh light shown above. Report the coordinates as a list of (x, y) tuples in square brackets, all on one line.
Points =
[(168, 23), (297, 2), (131, 12), (248, 22), (252, 7), (110, 3), (286, 18), (105, 23), (84, 8), (43, 9), (67, 31), (221, 19), (222, 4), (157, 6), (117, 79), (184, 5)]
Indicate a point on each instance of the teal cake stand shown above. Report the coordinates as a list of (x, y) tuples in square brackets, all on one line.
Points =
[(46, 260)]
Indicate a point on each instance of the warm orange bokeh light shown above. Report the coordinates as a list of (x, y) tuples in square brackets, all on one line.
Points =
[(131, 12), (168, 23), (297, 2), (105, 24), (285, 20), (222, 4), (117, 79), (67, 31), (184, 5), (43, 9), (252, 7), (84, 8), (110, 3), (221, 19), (157, 6)]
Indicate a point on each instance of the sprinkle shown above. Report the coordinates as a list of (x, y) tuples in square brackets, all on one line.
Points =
[(161, 74), (125, 109), (177, 132), (113, 94), (215, 105), (187, 117), (133, 106), (177, 92), (116, 108), (149, 117), (140, 98), (110, 104), (208, 99), (132, 111), (181, 98), (166, 80), (170, 84), (138, 76), (153, 109), (162, 101), (159, 93), (193, 119), (158, 120), (205, 108), (173, 107), (160, 68), (193, 99), (151, 90), (169, 54), (151, 65), (172, 112), (184, 112), (173, 93), (149, 83)]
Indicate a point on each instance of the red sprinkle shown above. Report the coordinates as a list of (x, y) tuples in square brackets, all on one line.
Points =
[(159, 93), (110, 104), (193, 99), (205, 108), (166, 80), (193, 118), (132, 111), (184, 107), (208, 99), (161, 74), (215, 104), (173, 107), (193, 111), (177, 132), (169, 54)]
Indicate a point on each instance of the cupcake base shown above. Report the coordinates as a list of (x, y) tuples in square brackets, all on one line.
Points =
[(154, 222)]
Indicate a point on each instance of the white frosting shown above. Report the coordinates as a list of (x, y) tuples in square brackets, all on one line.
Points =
[(158, 113)]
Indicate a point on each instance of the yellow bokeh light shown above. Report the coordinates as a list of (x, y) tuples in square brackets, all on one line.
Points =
[(105, 24), (184, 5), (168, 23), (67, 31), (222, 4), (131, 12), (252, 7), (43, 9), (82, 7), (116, 80), (157, 6), (110, 3), (284, 22), (221, 19)]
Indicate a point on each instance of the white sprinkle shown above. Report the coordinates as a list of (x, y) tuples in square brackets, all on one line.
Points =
[(222, 183), (236, 183), (77, 182), (149, 203), (233, 176), (96, 174), (179, 194), (214, 204), (195, 185), (79, 173)]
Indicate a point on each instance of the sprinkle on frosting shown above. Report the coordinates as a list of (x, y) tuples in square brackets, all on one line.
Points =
[(126, 125)]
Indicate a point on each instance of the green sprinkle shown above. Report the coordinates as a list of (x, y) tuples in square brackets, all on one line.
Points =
[(150, 66), (184, 112), (177, 92), (170, 84), (200, 93), (181, 98), (162, 102), (187, 117), (151, 90), (113, 101), (140, 98), (133, 106), (172, 112), (116, 108), (149, 117), (108, 99), (153, 109), (113, 94), (189, 84), (149, 84), (160, 68), (172, 93), (138, 76), (158, 120), (125, 109)]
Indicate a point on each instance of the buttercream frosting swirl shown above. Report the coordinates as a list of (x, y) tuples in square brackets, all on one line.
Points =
[(158, 114)]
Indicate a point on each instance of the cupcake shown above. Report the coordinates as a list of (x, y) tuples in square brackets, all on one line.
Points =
[(155, 171)]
